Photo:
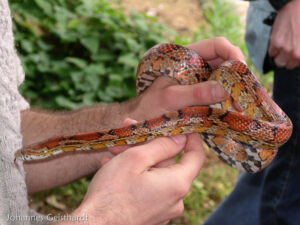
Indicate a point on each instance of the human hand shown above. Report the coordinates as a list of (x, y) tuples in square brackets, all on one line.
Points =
[(217, 50), (166, 95), (129, 190), (285, 36)]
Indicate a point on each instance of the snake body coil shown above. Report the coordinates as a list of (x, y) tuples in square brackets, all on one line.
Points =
[(246, 139)]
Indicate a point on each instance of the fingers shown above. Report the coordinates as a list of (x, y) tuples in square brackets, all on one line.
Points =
[(279, 52), (180, 96), (215, 62), (284, 57), (166, 163), (281, 59), (128, 121), (291, 64), (273, 50), (120, 149), (192, 160), (141, 158), (164, 223), (285, 36), (218, 47)]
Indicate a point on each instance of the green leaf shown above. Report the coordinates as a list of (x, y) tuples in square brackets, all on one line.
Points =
[(97, 68), (80, 63), (117, 78), (115, 92), (128, 59), (44, 45), (104, 97), (27, 45), (93, 81), (103, 56), (77, 52), (66, 103), (88, 98), (91, 43), (62, 15), (45, 6)]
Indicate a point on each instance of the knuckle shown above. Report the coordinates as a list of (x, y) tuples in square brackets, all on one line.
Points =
[(276, 43), (179, 208), (290, 65), (237, 49), (135, 155), (167, 222), (168, 94), (222, 39), (296, 55), (197, 93), (165, 144), (183, 188), (201, 93), (169, 97), (203, 160), (287, 49)]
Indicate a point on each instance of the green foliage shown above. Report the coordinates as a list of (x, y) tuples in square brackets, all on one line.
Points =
[(213, 184), (221, 21), (78, 52)]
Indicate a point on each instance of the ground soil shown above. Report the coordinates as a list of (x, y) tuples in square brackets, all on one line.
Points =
[(184, 16)]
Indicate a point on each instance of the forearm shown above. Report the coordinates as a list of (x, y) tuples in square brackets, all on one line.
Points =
[(64, 169), (41, 125), (37, 125)]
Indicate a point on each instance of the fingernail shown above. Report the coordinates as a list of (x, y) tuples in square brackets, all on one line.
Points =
[(218, 92), (179, 139)]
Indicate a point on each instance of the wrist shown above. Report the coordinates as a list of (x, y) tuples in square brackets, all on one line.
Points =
[(135, 110), (95, 118), (79, 215), (39, 125), (83, 211), (100, 214)]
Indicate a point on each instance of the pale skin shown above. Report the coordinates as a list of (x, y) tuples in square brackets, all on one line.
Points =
[(143, 176), (285, 36)]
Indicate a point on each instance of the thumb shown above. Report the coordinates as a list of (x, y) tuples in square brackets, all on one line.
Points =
[(141, 158), (206, 93)]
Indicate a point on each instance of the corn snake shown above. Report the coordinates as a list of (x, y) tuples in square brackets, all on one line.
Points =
[(245, 131)]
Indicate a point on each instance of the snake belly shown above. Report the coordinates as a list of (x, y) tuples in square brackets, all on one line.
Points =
[(244, 131)]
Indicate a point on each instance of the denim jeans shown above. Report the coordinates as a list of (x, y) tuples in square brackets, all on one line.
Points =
[(272, 196)]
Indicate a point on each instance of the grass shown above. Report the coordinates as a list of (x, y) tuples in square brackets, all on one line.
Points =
[(216, 179), (213, 184)]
